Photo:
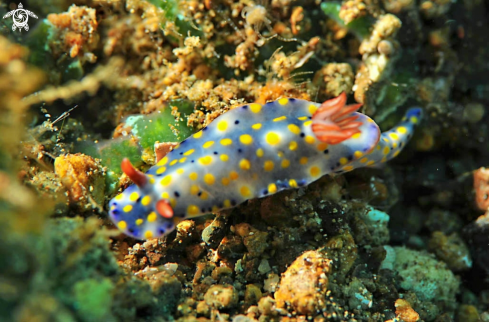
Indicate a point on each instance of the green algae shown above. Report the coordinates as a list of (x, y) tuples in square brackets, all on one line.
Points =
[(145, 130), (93, 299), (359, 27)]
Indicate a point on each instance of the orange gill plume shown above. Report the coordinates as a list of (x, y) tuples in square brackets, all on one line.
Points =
[(333, 122)]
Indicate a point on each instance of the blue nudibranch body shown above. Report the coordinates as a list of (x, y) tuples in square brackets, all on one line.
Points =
[(251, 152)]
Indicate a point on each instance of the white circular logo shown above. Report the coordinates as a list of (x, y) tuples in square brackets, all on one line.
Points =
[(20, 16)]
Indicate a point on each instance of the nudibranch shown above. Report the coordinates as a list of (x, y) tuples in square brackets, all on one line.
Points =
[(251, 152)]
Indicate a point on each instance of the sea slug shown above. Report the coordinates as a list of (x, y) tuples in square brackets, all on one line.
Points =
[(251, 152)]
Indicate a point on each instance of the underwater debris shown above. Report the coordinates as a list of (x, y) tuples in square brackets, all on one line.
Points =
[(74, 33), (303, 286), (333, 79), (84, 179)]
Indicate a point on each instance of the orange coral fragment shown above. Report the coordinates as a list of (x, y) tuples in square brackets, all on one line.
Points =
[(296, 17), (481, 187), (333, 122), (405, 312)]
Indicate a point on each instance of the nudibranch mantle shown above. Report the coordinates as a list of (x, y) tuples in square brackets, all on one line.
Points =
[(251, 152)]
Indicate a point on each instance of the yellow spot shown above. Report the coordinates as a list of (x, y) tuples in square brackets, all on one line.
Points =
[(233, 175), (378, 147), (208, 144), (209, 179), (226, 142), (322, 146), (134, 196), (182, 160), (225, 181), (204, 195), (293, 145), (303, 160), (165, 195), (197, 135), (119, 197), (227, 203), (245, 191), (356, 135), (180, 171), (394, 145), (363, 160), (385, 150), (402, 130), (343, 161), (152, 217), (246, 139), (166, 180), (215, 208), (280, 154), (283, 101), (205, 160), (255, 108), (139, 222), (280, 118), (385, 140), (127, 208), (122, 225), (244, 164), (173, 162), (193, 176), (293, 183), (358, 154), (173, 202), (272, 188), (146, 200), (394, 136), (302, 118), (315, 171), (152, 180), (294, 128), (224, 157), (272, 138), (310, 139), (413, 119), (256, 126), (259, 153), (148, 234), (285, 163), (396, 153), (194, 189), (192, 210), (161, 170), (370, 162), (222, 126), (307, 123), (163, 161), (268, 166), (348, 168), (313, 109), (189, 152)]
